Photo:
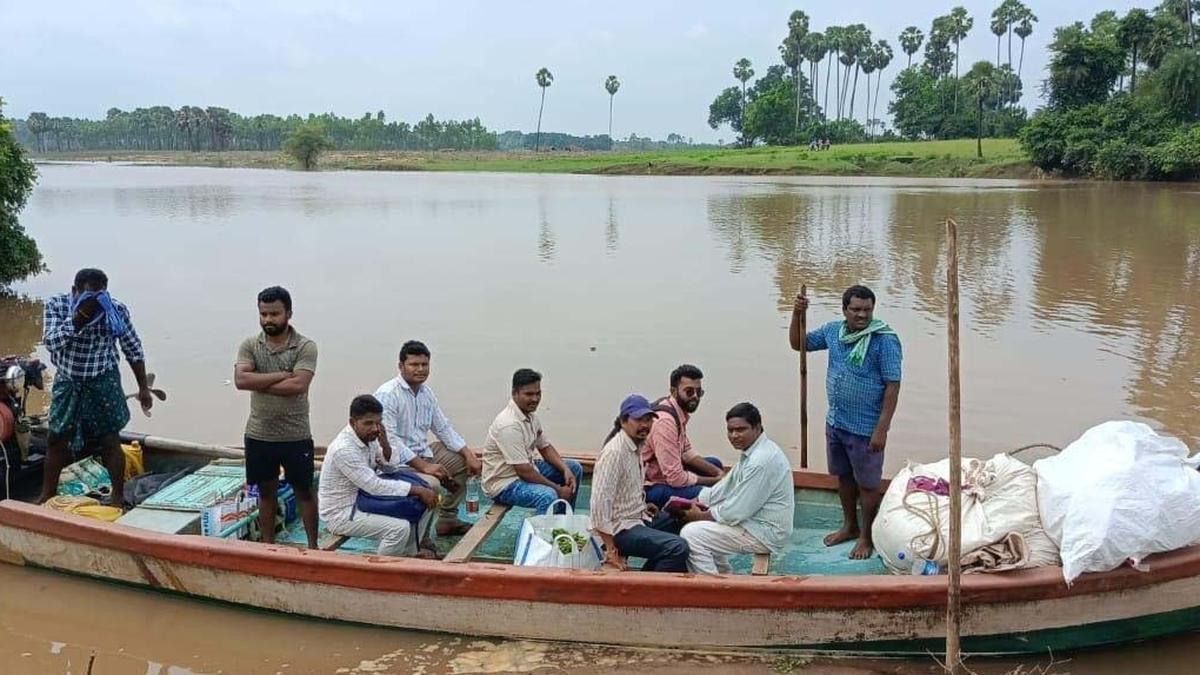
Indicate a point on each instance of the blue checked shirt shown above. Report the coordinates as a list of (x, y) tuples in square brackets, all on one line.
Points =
[(91, 350), (408, 418), (856, 392)]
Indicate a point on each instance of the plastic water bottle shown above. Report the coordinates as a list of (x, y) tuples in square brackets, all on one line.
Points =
[(473, 497), (917, 565)]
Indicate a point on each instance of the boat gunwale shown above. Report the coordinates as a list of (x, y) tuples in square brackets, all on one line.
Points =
[(491, 581)]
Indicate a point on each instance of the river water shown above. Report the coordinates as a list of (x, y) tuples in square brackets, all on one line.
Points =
[(1079, 306)]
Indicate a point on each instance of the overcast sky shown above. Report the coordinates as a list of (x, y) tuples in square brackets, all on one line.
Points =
[(456, 60)]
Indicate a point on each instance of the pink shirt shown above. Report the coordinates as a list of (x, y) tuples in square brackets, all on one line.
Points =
[(667, 448)]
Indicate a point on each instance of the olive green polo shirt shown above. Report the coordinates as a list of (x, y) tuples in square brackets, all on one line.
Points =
[(274, 417)]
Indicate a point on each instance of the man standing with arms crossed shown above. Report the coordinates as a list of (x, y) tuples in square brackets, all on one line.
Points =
[(276, 367), (863, 387)]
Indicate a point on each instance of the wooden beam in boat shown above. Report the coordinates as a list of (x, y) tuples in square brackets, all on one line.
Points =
[(762, 564), (474, 538), (331, 542)]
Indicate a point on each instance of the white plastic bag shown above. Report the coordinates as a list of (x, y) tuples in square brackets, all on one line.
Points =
[(1120, 492), (536, 546)]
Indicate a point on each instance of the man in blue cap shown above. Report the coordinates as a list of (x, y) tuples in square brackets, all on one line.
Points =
[(620, 515)]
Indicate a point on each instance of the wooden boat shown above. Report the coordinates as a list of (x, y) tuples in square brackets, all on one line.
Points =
[(1029, 611)]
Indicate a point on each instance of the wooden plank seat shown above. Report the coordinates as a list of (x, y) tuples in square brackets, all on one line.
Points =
[(474, 538), (327, 541), (762, 564)]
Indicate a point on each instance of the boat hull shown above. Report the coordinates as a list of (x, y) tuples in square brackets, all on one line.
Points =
[(1015, 613)]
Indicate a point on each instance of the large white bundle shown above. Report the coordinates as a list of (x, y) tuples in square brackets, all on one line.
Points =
[(1120, 492), (1000, 509)]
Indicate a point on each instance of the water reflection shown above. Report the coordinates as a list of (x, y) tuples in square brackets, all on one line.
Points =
[(20, 324), (1124, 268), (1078, 299), (612, 235)]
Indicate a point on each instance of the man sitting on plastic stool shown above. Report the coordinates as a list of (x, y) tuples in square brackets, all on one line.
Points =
[(350, 466)]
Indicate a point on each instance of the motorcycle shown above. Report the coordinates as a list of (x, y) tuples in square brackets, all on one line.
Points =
[(17, 376)]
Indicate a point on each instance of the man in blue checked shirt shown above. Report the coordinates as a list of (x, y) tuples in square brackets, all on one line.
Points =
[(863, 387), (81, 331)]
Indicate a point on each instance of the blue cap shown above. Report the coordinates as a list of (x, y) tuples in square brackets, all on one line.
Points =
[(635, 406)]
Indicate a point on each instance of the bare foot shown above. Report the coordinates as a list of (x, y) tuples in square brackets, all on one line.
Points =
[(863, 550), (844, 534), (426, 554)]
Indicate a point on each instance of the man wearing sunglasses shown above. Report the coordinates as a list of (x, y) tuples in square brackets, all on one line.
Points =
[(673, 469)]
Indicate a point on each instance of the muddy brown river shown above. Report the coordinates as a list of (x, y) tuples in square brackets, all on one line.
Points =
[(1079, 306)]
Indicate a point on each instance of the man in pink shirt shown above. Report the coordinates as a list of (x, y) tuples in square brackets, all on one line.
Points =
[(673, 469)]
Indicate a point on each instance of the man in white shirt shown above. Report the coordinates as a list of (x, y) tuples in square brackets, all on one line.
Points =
[(410, 413), (350, 465)]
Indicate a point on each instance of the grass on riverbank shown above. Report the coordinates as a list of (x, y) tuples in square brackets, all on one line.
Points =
[(1003, 158)]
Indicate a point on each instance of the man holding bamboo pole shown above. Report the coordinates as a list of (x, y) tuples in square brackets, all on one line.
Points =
[(863, 387)]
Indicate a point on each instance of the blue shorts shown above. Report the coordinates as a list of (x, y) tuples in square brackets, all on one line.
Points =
[(848, 454)]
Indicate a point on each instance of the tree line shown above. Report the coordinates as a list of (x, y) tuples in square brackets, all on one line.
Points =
[(1123, 97), (793, 103), (214, 129)]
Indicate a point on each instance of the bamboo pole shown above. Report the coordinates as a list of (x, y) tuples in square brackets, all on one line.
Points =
[(803, 383), (954, 591)]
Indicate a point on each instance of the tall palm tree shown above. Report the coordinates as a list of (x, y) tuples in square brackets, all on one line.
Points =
[(999, 28), (38, 124), (983, 81), (1135, 30), (611, 85), (789, 52), (960, 24), (1023, 30), (815, 48), (866, 63), (743, 70), (544, 79), (911, 39), (883, 59), (797, 31), (833, 42)]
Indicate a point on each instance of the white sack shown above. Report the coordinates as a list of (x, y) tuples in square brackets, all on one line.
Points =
[(1120, 492)]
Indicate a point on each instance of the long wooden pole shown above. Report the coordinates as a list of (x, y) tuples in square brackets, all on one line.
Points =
[(954, 593), (803, 383)]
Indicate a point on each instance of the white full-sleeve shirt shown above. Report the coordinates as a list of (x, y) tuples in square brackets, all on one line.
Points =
[(351, 465)]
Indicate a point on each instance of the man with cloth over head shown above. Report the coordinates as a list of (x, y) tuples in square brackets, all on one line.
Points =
[(81, 330)]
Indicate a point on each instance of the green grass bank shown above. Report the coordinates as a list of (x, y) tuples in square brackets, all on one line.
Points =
[(1003, 158)]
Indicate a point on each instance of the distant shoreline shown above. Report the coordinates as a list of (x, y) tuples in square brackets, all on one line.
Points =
[(928, 159)]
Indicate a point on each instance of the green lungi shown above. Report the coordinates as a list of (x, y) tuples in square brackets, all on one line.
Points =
[(87, 409)]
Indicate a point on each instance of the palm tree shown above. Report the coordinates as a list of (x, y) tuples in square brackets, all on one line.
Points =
[(910, 41), (544, 80), (789, 52), (999, 28), (743, 71), (815, 48), (797, 31), (866, 63), (611, 85), (1136, 29), (883, 59), (833, 43), (38, 124), (982, 78), (863, 39), (960, 24), (1023, 30)]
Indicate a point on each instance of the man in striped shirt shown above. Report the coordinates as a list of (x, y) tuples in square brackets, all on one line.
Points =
[(410, 413), (620, 515)]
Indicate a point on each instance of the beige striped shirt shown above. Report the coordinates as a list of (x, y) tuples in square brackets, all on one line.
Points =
[(618, 502)]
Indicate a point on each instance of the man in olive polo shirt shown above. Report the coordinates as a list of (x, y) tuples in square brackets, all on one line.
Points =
[(276, 367)]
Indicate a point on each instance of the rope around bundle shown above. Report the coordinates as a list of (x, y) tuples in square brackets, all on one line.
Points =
[(930, 544)]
